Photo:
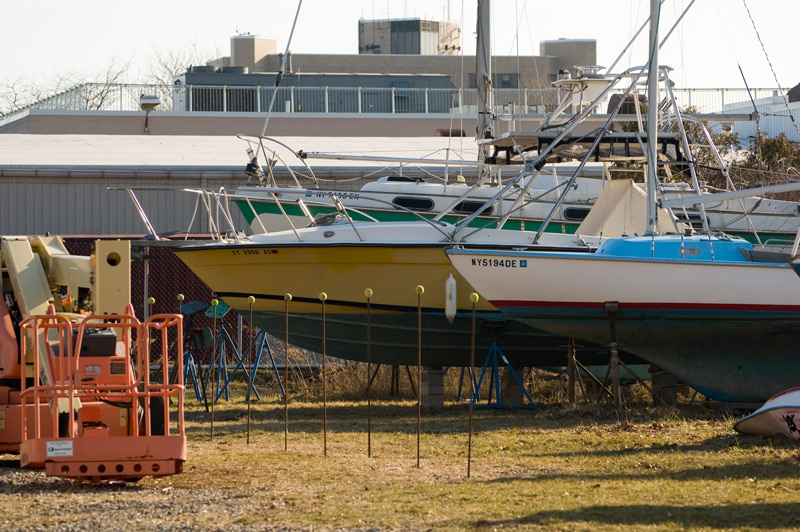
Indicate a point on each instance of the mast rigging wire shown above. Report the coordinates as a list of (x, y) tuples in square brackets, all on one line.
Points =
[(774, 76), (279, 77)]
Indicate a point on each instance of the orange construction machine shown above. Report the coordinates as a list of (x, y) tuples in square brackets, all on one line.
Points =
[(76, 395)]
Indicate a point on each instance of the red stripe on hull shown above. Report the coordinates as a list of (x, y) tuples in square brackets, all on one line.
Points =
[(646, 306)]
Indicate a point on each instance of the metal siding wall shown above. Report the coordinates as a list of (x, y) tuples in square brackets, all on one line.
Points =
[(773, 120), (7, 193), (83, 206)]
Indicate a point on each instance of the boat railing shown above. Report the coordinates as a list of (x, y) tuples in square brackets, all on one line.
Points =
[(271, 157), (214, 202), (277, 195), (534, 166)]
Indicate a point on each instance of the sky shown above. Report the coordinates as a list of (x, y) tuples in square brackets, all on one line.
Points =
[(41, 40)]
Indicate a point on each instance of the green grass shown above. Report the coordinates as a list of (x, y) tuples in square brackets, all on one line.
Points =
[(563, 468)]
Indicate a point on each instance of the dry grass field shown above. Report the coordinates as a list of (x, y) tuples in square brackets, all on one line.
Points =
[(563, 468)]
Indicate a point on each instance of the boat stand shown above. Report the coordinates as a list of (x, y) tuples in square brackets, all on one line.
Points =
[(262, 342), (471, 372), (258, 343), (573, 373), (190, 372), (612, 310), (394, 380), (223, 366), (494, 384)]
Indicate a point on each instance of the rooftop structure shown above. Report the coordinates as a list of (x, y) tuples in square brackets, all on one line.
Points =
[(418, 54), (408, 36)]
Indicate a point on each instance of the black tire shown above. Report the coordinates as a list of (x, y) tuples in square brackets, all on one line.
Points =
[(156, 416)]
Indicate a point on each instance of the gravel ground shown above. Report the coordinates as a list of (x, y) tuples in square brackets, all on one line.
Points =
[(30, 501)]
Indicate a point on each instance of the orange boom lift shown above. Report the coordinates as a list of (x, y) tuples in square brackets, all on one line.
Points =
[(76, 395)]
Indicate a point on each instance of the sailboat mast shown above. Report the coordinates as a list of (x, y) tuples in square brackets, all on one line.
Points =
[(483, 76), (652, 117)]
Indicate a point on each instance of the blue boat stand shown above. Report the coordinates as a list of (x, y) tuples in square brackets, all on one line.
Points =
[(494, 354), (259, 343)]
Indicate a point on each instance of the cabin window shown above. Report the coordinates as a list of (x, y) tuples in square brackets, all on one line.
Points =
[(576, 213), (404, 179), (468, 207), (414, 204)]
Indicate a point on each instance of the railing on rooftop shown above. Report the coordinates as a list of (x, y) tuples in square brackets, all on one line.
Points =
[(239, 99)]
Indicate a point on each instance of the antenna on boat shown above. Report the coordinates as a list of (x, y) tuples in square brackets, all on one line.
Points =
[(279, 77)]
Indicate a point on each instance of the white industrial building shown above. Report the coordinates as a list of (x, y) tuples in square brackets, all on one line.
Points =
[(773, 118), (59, 184)]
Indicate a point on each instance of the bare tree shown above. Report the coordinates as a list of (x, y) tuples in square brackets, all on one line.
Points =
[(94, 89), (165, 65), (14, 95), (98, 93)]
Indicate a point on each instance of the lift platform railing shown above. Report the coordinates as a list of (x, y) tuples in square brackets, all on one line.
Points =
[(106, 383)]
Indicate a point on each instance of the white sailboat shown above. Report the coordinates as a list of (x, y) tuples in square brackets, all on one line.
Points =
[(711, 310), (702, 308)]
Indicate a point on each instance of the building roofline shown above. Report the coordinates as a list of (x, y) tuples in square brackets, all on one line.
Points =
[(567, 40)]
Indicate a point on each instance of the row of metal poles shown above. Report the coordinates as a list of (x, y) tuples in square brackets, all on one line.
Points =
[(612, 310), (368, 293)]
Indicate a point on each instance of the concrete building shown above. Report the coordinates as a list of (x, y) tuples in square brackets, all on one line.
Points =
[(408, 36), (427, 88), (257, 54)]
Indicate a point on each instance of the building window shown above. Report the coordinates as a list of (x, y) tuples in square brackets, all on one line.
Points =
[(499, 81)]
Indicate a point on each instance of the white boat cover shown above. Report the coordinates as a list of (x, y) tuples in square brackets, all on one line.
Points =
[(621, 210)]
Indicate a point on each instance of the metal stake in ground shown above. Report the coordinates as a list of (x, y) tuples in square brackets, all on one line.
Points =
[(250, 301), (180, 299), (322, 297), (368, 295), (286, 298), (214, 304), (150, 302), (473, 297), (420, 290), (571, 371)]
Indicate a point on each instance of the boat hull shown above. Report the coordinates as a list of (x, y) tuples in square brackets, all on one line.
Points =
[(394, 338), (343, 273), (779, 416), (729, 330)]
